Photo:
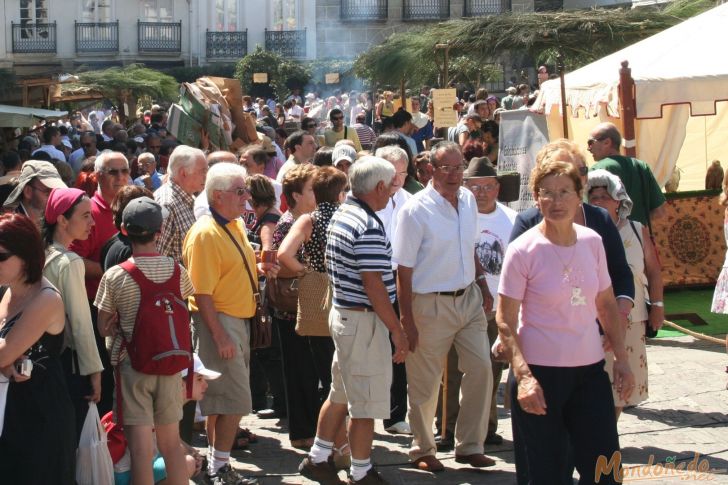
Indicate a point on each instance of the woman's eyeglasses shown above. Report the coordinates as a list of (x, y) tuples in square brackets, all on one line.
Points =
[(5, 256)]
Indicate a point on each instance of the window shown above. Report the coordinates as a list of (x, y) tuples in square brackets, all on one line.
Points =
[(285, 14), (33, 11), (157, 10), (225, 15), (96, 11)]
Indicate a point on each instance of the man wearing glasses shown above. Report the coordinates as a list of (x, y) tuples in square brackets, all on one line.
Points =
[(88, 149), (35, 182), (443, 296), (339, 131), (638, 180)]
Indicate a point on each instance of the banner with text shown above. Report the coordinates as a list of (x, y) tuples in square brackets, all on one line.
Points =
[(443, 101), (522, 134)]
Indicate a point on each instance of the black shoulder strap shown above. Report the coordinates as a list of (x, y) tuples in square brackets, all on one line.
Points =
[(636, 233)]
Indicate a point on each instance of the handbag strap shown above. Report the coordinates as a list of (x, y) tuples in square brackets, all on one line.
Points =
[(253, 284), (636, 233)]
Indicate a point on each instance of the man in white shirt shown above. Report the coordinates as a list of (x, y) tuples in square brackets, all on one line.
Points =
[(397, 422), (302, 146), (51, 139), (443, 297), (295, 111)]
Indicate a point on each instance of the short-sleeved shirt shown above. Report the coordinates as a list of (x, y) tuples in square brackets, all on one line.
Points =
[(348, 133), (118, 292), (494, 231), (216, 268), (437, 241), (180, 219), (557, 287), (639, 182), (357, 243), (102, 230)]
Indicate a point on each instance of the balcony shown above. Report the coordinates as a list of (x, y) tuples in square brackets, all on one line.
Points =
[(414, 10), (287, 43), (227, 45), (479, 8), (33, 38), (159, 37), (93, 37), (367, 10)]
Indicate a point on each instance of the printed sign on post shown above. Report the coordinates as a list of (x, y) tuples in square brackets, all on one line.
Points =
[(443, 100), (260, 77)]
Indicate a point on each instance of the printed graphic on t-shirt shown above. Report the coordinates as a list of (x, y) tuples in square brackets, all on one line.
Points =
[(490, 251)]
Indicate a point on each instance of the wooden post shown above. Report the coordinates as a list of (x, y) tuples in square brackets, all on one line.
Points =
[(402, 94), (444, 77), (627, 109), (564, 119)]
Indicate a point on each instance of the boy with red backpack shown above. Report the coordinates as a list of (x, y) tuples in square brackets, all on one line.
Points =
[(141, 307)]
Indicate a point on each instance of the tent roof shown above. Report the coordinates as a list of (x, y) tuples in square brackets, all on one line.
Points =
[(20, 117), (682, 64)]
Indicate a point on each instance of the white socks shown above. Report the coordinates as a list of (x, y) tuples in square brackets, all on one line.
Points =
[(216, 460), (359, 468), (321, 450)]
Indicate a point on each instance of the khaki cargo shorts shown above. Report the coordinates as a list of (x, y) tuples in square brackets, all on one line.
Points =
[(148, 400), (361, 372)]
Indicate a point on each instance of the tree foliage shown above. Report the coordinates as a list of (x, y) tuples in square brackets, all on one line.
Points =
[(581, 36), (283, 74), (132, 81)]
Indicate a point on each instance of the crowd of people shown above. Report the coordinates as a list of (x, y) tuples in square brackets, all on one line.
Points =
[(379, 251)]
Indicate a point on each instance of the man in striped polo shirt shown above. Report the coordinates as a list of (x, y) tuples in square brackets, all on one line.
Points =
[(359, 264)]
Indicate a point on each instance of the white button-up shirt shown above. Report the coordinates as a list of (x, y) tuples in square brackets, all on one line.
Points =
[(389, 214), (437, 241)]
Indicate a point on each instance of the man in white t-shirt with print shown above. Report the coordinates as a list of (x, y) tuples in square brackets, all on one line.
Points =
[(495, 222)]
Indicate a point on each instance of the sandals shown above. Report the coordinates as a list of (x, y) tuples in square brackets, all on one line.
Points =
[(243, 438)]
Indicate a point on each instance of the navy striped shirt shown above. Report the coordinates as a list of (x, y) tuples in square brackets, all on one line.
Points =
[(357, 243)]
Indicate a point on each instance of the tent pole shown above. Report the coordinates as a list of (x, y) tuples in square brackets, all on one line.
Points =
[(627, 109), (564, 120)]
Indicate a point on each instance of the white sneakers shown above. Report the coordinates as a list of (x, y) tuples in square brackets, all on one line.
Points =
[(399, 428)]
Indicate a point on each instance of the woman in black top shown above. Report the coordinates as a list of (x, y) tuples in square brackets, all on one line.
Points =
[(39, 422)]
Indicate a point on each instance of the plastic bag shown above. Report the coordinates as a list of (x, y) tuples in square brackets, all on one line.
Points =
[(93, 461)]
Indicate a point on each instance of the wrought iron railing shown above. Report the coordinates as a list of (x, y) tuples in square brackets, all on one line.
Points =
[(97, 36), (288, 43), (33, 37), (364, 9), (159, 36), (425, 9), (477, 8), (227, 45)]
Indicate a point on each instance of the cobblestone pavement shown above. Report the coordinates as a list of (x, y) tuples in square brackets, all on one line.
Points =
[(685, 415)]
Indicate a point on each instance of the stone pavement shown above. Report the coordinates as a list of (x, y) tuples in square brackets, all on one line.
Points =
[(686, 414)]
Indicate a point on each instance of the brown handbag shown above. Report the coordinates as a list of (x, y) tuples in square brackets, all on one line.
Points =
[(282, 294), (314, 305), (261, 335)]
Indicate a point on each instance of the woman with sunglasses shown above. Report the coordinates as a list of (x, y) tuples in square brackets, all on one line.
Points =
[(38, 419), (68, 218)]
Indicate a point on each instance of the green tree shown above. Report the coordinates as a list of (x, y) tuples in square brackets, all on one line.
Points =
[(283, 74), (125, 85)]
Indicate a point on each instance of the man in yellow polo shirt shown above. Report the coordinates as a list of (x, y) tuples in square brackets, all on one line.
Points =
[(221, 306)]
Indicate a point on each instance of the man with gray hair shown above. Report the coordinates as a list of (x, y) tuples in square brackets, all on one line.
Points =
[(222, 268), (187, 169), (443, 296), (358, 262)]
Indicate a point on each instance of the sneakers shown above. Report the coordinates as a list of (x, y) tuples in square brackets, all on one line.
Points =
[(323, 473), (399, 428), (229, 476), (371, 478)]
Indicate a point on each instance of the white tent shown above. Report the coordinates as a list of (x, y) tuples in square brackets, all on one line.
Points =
[(681, 97)]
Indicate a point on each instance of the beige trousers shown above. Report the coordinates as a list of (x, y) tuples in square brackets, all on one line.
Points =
[(443, 321)]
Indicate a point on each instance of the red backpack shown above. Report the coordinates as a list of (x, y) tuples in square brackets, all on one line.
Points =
[(161, 343)]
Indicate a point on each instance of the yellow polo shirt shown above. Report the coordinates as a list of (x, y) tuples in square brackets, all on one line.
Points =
[(216, 268)]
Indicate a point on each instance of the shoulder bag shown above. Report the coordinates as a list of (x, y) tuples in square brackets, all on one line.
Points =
[(260, 323), (649, 331), (314, 304)]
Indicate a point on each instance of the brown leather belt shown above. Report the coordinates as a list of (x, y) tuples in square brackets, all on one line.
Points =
[(451, 293)]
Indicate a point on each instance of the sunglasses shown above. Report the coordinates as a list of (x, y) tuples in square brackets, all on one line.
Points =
[(592, 141), (115, 172), (5, 256), (337, 118), (239, 192)]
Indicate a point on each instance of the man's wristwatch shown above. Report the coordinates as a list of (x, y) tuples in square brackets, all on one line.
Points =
[(658, 303), (480, 278)]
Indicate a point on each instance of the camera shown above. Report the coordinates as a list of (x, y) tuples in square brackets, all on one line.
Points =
[(24, 367)]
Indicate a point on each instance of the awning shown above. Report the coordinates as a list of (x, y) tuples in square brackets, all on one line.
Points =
[(19, 117)]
